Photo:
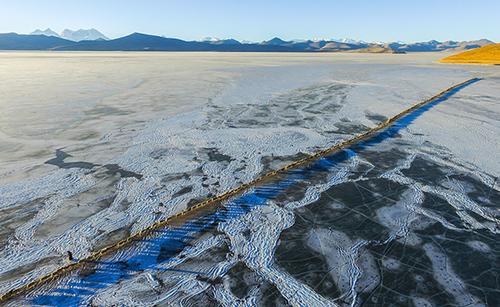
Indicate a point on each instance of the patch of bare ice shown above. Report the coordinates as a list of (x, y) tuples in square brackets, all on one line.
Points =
[(444, 275), (253, 240)]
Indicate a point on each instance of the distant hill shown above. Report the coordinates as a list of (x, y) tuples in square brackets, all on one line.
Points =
[(13, 41), (339, 46), (144, 42), (433, 45), (376, 49), (394, 47), (276, 41), (472, 44), (489, 54), (136, 42), (319, 45), (83, 35)]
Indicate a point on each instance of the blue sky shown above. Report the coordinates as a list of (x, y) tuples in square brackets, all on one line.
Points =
[(376, 20)]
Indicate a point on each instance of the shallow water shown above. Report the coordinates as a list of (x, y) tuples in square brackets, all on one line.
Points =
[(413, 204)]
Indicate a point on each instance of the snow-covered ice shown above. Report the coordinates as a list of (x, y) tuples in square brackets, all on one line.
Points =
[(131, 138)]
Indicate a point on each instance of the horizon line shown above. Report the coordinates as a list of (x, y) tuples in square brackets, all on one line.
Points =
[(244, 41)]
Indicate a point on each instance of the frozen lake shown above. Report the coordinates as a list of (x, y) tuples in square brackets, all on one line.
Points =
[(95, 146)]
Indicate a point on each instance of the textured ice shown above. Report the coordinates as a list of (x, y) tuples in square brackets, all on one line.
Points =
[(352, 268), (410, 218), (444, 275)]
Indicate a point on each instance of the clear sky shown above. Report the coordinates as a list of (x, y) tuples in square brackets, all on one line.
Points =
[(257, 20)]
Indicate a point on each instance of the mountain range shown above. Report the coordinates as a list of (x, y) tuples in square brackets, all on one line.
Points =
[(93, 40), (76, 36), (434, 45)]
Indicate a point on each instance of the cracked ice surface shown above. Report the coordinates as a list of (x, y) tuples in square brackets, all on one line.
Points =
[(411, 220)]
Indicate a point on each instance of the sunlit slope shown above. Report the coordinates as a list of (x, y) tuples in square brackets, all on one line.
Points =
[(485, 55)]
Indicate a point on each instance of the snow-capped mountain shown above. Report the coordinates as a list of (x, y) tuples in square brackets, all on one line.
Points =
[(83, 35), (210, 39), (78, 35), (348, 41), (46, 32), (218, 41)]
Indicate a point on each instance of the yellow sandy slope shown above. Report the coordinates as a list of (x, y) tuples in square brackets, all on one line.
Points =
[(489, 54)]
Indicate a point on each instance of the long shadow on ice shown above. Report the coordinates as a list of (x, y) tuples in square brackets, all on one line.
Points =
[(155, 252)]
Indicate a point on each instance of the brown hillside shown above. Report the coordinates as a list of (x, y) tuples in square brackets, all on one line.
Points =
[(485, 55), (375, 49)]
